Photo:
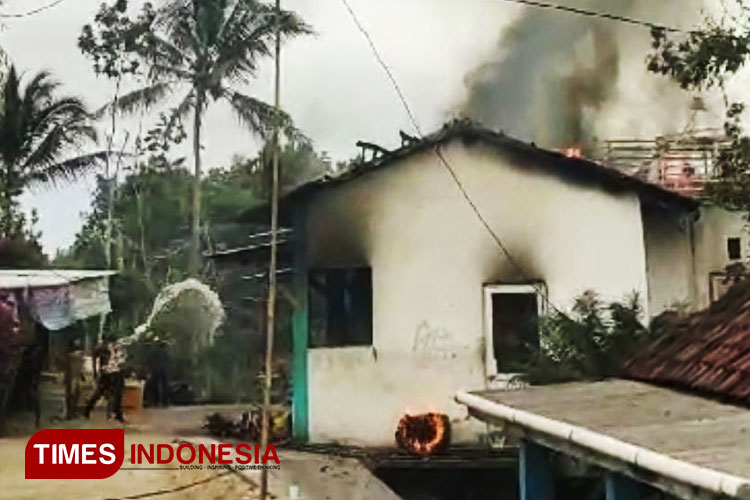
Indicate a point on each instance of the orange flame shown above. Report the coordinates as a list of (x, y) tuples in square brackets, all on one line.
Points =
[(573, 152), (425, 434)]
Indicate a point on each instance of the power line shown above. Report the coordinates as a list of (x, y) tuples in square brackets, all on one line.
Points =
[(597, 14), (382, 63), (489, 229), (33, 11), (496, 238)]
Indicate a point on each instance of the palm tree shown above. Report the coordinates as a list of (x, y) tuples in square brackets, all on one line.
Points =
[(38, 131), (209, 48)]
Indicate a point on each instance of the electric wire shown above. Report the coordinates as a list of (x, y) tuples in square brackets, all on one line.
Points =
[(31, 12), (597, 14), (454, 176)]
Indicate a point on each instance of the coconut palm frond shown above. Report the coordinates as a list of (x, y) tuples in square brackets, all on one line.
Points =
[(164, 51), (180, 111), (143, 98), (178, 20), (248, 35), (260, 117), (41, 86), (161, 71), (69, 110), (67, 170), (55, 143), (38, 128)]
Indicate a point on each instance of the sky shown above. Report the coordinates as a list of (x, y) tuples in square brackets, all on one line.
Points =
[(331, 84)]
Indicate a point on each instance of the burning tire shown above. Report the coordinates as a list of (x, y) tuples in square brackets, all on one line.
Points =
[(425, 434)]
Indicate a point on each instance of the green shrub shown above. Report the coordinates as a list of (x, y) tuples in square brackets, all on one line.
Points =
[(591, 342)]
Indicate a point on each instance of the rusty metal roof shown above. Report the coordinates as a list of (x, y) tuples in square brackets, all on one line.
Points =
[(707, 352)]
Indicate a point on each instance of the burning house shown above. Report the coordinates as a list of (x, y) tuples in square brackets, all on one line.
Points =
[(402, 295)]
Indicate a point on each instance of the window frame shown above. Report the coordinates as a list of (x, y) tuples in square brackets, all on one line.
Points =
[(326, 345), (537, 288), (731, 240)]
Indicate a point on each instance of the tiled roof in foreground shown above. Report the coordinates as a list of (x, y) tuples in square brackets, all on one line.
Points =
[(707, 352)]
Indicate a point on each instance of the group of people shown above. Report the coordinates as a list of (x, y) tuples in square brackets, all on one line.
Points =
[(22, 360)]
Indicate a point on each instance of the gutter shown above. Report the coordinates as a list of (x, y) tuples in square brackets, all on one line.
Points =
[(684, 472)]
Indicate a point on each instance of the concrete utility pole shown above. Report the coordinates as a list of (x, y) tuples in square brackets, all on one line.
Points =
[(271, 304)]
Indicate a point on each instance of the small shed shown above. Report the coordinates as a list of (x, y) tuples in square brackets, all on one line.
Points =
[(57, 298), (42, 300)]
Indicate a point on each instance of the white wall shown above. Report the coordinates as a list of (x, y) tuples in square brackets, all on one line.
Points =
[(430, 257), (712, 229), (669, 258)]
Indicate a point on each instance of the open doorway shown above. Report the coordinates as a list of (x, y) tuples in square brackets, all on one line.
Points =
[(512, 316)]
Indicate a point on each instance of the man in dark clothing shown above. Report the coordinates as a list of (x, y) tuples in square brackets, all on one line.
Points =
[(110, 379)]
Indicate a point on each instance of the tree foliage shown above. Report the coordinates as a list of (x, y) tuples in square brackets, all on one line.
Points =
[(20, 247), (590, 343), (115, 42), (706, 59), (151, 234), (197, 52), (41, 136)]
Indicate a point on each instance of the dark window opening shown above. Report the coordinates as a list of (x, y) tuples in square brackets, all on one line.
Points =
[(515, 330), (340, 307), (734, 248)]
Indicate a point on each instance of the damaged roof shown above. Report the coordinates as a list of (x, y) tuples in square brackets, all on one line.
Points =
[(707, 352), (577, 169)]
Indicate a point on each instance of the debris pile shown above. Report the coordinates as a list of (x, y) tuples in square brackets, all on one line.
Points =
[(425, 434), (248, 426)]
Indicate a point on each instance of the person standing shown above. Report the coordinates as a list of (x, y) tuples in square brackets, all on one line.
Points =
[(110, 378)]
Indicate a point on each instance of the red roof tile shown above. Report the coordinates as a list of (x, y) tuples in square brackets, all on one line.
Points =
[(707, 352)]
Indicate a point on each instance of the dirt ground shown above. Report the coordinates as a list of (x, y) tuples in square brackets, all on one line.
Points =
[(303, 476)]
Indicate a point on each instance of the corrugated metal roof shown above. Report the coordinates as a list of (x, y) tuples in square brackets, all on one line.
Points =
[(37, 278), (707, 352)]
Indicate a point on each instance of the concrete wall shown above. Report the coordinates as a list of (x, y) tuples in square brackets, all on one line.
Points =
[(430, 257), (682, 252), (711, 231), (669, 258)]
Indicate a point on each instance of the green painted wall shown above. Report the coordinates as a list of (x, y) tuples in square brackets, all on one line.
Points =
[(300, 335)]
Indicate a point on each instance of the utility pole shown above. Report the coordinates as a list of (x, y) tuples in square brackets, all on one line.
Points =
[(111, 179), (271, 304)]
